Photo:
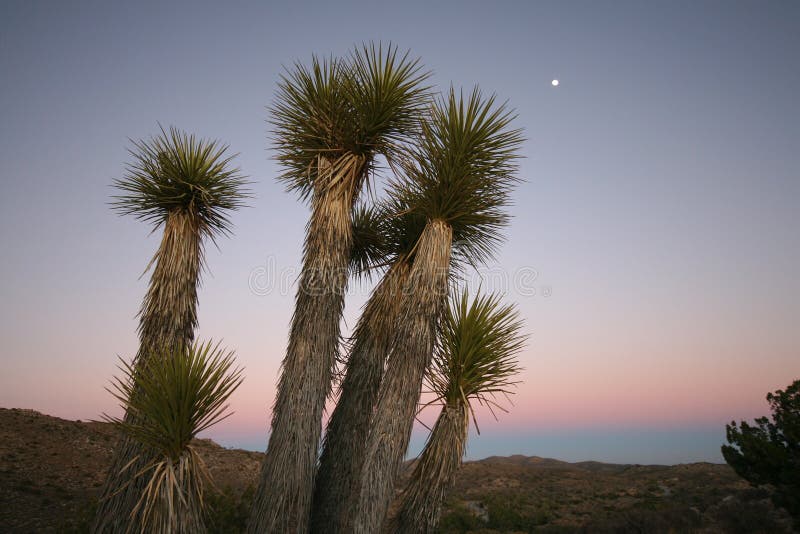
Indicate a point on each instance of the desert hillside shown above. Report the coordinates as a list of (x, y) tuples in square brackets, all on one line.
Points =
[(51, 470)]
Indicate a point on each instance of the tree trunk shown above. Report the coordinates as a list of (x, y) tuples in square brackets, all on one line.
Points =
[(282, 502), (339, 474), (167, 320), (412, 349), (434, 473)]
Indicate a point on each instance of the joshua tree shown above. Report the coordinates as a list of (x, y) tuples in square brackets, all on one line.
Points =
[(458, 182), (168, 399), (189, 187), (475, 360), (330, 122)]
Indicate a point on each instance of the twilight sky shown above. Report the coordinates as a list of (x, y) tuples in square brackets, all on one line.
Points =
[(653, 251)]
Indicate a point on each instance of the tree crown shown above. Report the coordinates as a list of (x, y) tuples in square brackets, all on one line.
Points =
[(461, 171), (175, 171), (333, 118)]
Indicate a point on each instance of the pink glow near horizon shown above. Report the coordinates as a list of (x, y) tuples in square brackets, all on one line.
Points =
[(562, 398)]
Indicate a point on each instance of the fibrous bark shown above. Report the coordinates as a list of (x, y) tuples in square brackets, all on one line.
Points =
[(434, 473), (412, 348), (283, 498), (339, 475)]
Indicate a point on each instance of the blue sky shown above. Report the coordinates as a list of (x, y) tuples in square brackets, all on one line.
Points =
[(658, 213)]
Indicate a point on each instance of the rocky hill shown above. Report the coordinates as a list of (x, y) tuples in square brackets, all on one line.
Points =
[(51, 471)]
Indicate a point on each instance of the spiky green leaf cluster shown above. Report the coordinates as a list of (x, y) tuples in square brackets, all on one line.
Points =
[(176, 171), (387, 94), (333, 118), (476, 356), (170, 397), (462, 170)]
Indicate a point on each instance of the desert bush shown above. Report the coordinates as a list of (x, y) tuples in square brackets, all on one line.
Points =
[(648, 519), (748, 511), (228, 510), (459, 519)]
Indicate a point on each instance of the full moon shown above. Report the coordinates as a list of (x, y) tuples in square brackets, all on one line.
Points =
[(555, 83)]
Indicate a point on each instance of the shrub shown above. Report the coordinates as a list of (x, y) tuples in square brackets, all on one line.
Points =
[(768, 453)]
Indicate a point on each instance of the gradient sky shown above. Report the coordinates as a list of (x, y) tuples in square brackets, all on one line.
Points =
[(653, 252)]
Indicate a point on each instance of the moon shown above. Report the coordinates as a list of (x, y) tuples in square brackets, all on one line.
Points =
[(555, 83)]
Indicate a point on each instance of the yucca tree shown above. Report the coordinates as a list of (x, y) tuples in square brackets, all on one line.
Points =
[(331, 122), (458, 182), (169, 397), (475, 361), (188, 186), (386, 241)]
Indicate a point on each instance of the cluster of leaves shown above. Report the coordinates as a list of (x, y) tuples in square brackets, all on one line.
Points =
[(461, 171), (169, 397), (172, 396), (178, 172), (331, 119), (476, 356)]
